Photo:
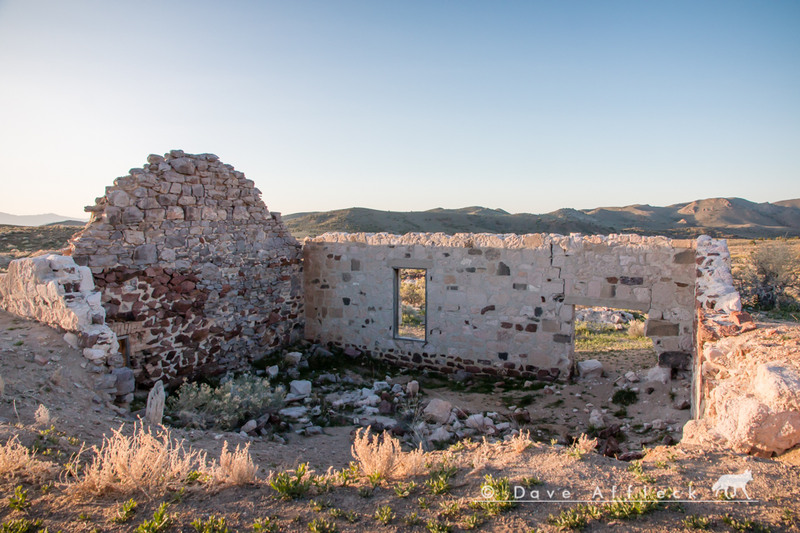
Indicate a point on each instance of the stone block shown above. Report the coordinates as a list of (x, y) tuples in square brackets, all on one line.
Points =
[(590, 369), (661, 328), (438, 410), (145, 254)]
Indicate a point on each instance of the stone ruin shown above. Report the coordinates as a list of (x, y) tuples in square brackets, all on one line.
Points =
[(498, 304), (183, 272), (196, 275)]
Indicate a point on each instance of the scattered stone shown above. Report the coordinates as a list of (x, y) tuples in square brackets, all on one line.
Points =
[(632, 377), (249, 426), (296, 412), (293, 358), (438, 410), (352, 352), (273, 371), (682, 404), (611, 447), (300, 388), (660, 374), (380, 386), (596, 419), (590, 369), (630, 456), (412, 388), (440, 434), (322, 352)]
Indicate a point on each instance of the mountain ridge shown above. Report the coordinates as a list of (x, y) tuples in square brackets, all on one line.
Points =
[(720, 217), (36, 220)]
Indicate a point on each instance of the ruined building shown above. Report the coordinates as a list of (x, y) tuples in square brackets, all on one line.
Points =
[(196, 275), (182, 271)]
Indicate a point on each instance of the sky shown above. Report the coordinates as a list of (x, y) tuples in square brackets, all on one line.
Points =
[(526, 106)]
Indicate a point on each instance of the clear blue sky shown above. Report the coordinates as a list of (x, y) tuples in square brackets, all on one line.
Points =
[(406, 105)]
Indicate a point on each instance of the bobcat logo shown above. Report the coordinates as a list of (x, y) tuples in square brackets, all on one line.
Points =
[(734, 481)]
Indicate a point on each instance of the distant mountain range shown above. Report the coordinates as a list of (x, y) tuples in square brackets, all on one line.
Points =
[(39, 220), (718, 217)]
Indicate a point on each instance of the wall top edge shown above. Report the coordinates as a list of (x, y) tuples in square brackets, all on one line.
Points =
[(507, 240)]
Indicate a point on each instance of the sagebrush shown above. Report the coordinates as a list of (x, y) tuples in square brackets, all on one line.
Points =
[(226, 406)]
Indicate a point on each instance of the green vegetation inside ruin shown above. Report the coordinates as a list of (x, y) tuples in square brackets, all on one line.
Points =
[(598, 338)]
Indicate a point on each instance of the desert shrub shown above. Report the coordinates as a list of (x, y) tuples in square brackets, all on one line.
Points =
[(498, 494), (160, 522), (142, 462), (227, 406), (769, 276), (21, 525), (380, 456), (320, 525), (16, 459), (582, 445), (125, 511), (212, 524), (625, 397), (42, 416), (234, 468), (19, 500), (384, 514), (439, 482), (292, 486)]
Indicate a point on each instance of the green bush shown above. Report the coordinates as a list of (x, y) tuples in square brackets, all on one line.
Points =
[(768, 278), (227, 406)]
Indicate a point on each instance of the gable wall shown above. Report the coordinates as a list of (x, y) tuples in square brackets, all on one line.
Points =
[(192, 267)]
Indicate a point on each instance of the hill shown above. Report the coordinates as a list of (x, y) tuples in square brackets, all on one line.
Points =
[(719, 217), (37, 220)]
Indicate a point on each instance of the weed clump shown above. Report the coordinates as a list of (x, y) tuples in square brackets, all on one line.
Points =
[(625, 397), (380, 456), (16, 459), (234, 468), (292, 486), (142, 462)]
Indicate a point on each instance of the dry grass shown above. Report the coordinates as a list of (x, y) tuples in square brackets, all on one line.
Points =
[(636, 329), (234, 468), (42, 416), (381, 456), (143, 462), (17, 460), (521, 441)]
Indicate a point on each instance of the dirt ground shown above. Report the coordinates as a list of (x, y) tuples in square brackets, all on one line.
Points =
[(39, 368)]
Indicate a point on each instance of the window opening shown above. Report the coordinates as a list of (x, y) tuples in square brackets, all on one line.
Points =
[(411, 306)]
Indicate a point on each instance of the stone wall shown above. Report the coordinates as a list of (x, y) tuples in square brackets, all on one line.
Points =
[(497, 304), (53, 290), (193, 269)]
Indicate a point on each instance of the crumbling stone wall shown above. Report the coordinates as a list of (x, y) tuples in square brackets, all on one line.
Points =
[(192, 267), (497, 304), (53, 290)]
